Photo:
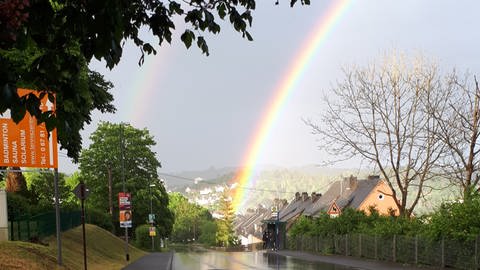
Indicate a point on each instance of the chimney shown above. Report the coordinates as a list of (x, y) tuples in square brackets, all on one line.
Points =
[(373, 177), (352, 182), (315, 196), (297, 196), (304, 196)]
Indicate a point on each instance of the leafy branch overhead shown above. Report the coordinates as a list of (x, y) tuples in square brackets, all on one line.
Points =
[(48, 44)]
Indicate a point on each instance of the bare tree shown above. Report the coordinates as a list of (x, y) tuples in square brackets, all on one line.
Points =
[(458, 123), (381, 114)]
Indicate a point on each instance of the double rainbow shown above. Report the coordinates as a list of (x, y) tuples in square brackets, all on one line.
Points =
[(285, 87)]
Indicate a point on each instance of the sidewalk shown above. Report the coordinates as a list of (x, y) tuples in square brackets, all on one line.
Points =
[(157, 260), (349, 261)]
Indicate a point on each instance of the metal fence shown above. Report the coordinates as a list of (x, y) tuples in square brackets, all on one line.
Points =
[(33, 228), (402, 249)]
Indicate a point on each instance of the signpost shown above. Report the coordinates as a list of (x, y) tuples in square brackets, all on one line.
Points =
[(152, 231), (81, 191), (29, 144)]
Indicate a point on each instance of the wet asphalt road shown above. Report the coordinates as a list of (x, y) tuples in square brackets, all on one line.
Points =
[(213, 260)]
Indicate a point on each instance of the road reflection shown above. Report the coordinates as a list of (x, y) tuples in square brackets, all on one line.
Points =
[(214, 260)]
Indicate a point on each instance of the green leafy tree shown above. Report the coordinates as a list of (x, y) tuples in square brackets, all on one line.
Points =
[(87, 90), (41, 187), (158, 197), (103, 169), (225, 233), (59, 39), (208, 230), (192, 222)]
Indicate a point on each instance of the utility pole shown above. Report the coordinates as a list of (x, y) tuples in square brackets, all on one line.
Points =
[(152, 218), (122, 151), (57, 217), (110, 189)]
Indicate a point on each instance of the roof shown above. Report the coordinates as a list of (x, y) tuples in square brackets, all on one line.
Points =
[(364, 188), (296, 207), (348, 192)]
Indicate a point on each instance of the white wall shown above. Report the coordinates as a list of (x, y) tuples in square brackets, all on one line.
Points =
[(3, 216)]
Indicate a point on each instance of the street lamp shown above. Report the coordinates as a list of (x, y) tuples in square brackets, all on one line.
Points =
[(151, 218)]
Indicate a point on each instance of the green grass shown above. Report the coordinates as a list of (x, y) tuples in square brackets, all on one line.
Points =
[(104, 251)]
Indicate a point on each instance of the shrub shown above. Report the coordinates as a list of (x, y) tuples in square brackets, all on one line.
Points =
[(99, 218), (458, 220), (303, 226), (143, 239), (18, 206)]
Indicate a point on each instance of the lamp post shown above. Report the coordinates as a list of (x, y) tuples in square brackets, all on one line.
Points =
[(151, 217)]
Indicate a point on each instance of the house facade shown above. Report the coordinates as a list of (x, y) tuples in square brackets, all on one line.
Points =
[(357, 194)]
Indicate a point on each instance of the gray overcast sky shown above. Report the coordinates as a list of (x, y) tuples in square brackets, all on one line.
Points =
[(203, 110)]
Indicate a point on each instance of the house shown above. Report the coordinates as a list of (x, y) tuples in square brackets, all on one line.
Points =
[(249, 227), (296, 207), (357, 194)]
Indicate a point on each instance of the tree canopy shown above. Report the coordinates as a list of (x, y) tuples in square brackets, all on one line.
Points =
[(381, 113), (121, 152), (47, 44), (192, 222)]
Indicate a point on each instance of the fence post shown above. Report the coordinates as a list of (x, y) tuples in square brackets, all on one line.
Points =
[(28, 227), (443, 252), (416, 249), (476, 252), (376, 246), (394, 248), (360, 245), (19, 231), (335, 249), (12, 231), (346, 244)]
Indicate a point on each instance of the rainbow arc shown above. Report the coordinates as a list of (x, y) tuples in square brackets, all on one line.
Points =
[(284, 89)]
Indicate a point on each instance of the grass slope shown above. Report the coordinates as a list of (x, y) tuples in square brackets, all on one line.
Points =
[(104, 251)]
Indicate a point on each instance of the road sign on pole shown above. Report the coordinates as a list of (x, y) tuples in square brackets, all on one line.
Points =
[(29, 144), (81, 191)]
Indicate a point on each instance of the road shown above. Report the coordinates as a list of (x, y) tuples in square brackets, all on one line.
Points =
[(215, 260), (261, 260)]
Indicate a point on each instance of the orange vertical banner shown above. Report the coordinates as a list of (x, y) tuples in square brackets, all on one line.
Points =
[(28, 144)]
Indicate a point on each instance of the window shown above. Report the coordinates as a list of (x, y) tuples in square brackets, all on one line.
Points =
[(381, 196)]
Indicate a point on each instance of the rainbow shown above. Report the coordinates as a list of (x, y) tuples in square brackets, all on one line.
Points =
[(285, 87), (141, 89)]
